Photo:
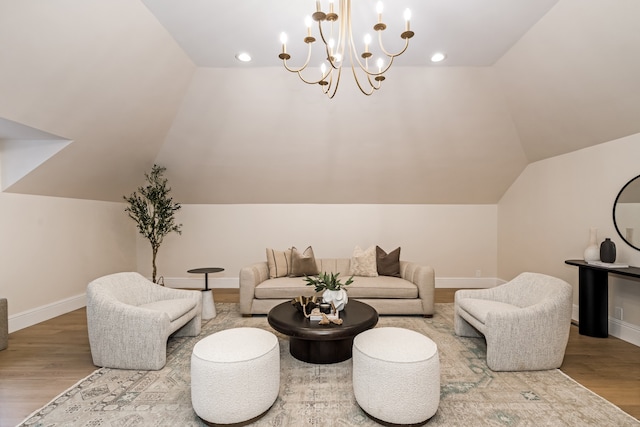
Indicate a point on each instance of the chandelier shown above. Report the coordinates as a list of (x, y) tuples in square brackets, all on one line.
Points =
[(337, 36)]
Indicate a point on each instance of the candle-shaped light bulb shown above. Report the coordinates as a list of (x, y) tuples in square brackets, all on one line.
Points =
[(332, 43), (379, 63), (330, 6), (379, 11), (367, 42), (308, 22), (337, 57), (317, 5), (283, 40), (407, 18), (323, 69)]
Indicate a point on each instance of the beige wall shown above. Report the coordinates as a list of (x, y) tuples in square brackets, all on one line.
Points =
[(104, 75), (50, 248), (456, 240), (544, 218)]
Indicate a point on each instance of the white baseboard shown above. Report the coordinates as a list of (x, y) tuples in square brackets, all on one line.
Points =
[(617, 328), (49, 311), (625, 331)]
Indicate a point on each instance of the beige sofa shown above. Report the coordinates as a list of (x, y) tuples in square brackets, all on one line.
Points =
[(411, 293)]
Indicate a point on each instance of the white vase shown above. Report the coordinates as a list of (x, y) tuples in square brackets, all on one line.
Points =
[(592, 252), (339, 298)]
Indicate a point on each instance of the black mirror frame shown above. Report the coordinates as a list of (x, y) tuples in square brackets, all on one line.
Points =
[(615, 204)]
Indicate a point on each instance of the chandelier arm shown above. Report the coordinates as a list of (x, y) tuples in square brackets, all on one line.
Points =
[(352, 53), (335, 89), (392, 55), (354, 57), (355, 77), (373, 85), (298, 70), (309, 82), (326, 48)]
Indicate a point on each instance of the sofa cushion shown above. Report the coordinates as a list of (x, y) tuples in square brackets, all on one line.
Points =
[(303, 264), (388, 264), (279, 263), (363, 263), (175, 308), (362, 287), (381, 287), (480, 308)]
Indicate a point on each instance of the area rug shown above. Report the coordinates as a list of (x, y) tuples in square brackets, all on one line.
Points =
[(322, 395)]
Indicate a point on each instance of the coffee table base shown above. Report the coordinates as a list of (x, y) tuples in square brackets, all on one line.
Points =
[(321, 352)]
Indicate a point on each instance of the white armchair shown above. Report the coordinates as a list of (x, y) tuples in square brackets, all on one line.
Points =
[(525, 322), (130, 318)]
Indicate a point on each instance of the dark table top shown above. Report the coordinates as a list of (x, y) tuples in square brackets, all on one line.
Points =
[(356, 317), (625, 271), (206, 270)]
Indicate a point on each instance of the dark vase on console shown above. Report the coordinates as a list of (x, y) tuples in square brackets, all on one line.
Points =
[(607, 251)]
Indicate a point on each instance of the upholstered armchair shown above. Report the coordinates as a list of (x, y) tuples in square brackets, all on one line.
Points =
[(525, 322), (130, 318)]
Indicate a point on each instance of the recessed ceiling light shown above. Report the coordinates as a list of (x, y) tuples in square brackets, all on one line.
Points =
[(438, 57), (243, 57)]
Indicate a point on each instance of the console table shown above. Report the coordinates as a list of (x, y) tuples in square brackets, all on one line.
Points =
[(593, 296)]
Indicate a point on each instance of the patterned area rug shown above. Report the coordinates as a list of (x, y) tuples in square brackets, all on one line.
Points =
[(322, 395)]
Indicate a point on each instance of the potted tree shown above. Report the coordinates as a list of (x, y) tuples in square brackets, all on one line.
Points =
[(153, 210)]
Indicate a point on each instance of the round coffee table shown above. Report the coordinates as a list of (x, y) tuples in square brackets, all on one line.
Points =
[(314, 343)]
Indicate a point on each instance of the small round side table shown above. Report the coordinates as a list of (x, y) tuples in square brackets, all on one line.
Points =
[(208, 305)]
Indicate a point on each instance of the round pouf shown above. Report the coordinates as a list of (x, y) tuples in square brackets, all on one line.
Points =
[(235, 375), (396, 375)]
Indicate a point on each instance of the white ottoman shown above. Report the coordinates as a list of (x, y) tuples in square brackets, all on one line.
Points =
[(235, 375), (396, 375)]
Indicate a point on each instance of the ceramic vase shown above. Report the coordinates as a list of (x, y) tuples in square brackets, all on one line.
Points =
[(592, 252), (608, 251), (339, 298)]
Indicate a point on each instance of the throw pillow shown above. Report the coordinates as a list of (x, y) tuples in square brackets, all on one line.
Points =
[(279, 263), (303, 263), (388, 263), (363, 263)]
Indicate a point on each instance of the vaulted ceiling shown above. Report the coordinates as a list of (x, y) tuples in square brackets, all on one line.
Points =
[(117, 85)]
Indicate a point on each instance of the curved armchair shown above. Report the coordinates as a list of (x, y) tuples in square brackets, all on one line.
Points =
[(130, 318), (525, 322)]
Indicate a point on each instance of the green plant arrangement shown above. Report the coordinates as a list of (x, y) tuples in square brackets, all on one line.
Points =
[(324, 281), (153, 210)]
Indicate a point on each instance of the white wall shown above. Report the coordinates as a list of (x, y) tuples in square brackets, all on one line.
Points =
[(457, 240), (51, 248), (544, 218)]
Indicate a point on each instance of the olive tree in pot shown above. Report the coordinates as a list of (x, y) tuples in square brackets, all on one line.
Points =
[(153, 210)]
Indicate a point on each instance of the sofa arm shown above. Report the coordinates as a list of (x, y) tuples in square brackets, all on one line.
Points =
[(533, 338), (424, 278), (250, 277), (125, 336)]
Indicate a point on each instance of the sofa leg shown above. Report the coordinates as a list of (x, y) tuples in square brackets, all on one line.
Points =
[(428, 316)]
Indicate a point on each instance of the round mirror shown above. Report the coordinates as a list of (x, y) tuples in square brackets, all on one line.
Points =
[(626, 213)]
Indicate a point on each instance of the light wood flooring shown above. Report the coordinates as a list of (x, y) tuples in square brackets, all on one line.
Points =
[(46, 359)]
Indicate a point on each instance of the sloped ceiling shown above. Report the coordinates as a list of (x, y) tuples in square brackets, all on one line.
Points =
[(133, 83)]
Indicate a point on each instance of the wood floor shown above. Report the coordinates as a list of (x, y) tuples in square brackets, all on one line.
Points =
[(45, 359)]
